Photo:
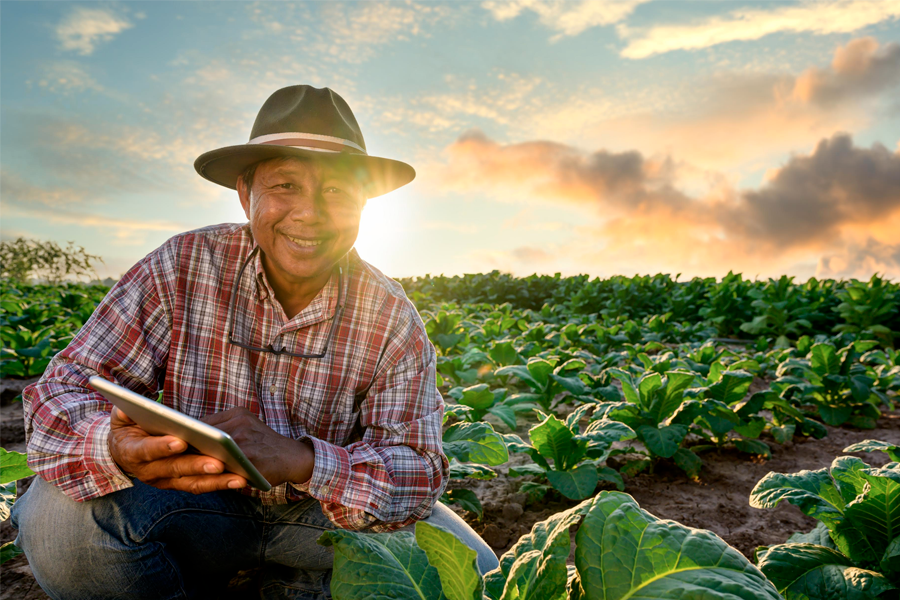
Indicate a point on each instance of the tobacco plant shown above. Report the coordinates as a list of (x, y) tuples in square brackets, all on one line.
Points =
[(13, 466), (854, 552), (621, 552), (472, 448), (572, 463)]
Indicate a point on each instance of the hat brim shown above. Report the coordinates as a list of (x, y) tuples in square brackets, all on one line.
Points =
[(378, 175)]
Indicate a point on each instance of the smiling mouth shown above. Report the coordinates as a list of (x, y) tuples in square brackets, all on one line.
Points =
[(304, 243)]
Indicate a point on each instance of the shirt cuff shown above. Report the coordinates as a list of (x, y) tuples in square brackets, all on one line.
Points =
[(330, 473), (107, 475)]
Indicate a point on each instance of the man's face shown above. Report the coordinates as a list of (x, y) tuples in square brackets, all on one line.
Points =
[(304, 215)]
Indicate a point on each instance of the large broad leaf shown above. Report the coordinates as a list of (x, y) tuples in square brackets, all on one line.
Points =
[(455, 562), (629, 387), (876, 514), (387, 565), (576, 484), (13, 466), (521, 372), (625, 552), (478, 397), (554, 440), (731, 387), (824, 360), (507, 414), (648, 386), (664, 441), (540, 370), (475, 442), (876, 445), (813, 492), (535, 568), (819, 573)]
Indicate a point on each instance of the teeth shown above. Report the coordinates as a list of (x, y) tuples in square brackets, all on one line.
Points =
[(300, 242)]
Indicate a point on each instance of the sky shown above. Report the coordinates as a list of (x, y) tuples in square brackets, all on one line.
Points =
[(581, 136)]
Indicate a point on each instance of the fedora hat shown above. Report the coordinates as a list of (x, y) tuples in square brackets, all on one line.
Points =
[(304, 121)]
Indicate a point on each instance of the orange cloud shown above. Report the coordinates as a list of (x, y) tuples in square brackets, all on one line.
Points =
[(838, 207)]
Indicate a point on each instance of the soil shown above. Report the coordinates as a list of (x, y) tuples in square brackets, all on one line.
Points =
[(717, 500)]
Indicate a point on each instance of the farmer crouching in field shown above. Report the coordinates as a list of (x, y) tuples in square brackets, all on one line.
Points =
[(274, 331)]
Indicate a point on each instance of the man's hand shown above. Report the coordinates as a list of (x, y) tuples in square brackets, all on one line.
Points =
[(157, 460), (278, 458)]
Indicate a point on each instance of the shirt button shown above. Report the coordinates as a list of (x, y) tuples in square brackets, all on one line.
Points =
[(326, 490), (272, 388)]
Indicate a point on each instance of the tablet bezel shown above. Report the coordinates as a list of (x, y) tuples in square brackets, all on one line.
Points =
[(158, 419)]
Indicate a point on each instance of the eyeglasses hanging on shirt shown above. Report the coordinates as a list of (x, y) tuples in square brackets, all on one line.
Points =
[(339, 311)]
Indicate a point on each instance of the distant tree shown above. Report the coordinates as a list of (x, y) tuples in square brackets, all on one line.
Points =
[(26, 259)]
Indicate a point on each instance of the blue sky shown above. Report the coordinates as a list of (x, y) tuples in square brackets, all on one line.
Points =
[(594, 136)]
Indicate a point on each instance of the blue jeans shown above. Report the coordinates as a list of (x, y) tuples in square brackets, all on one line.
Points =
[(143, 542)]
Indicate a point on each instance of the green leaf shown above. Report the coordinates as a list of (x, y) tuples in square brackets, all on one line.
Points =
[(664, 441), (824, 359), (633, 467), (625, 552), (753, 447), (535, 568), (608, 474), (455, 562), (521, 372), (875, 446), (819, 573), (13, 466), (506, 414), (527, 469), (540, 370), (388, 565), (478, 397), (876, 514), (813, 492), (475, 442), (835, 415), (7, 499), (890, 561), (465, 498), (472, 471), (554, 440), (731, 388), (575, 484), (9, 551), (688, 462), (783, 433), (819, 536)]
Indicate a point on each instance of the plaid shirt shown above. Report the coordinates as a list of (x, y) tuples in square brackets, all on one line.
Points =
[(370, 408)]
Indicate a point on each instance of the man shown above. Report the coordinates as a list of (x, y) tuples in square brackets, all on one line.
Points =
[(277, 333)]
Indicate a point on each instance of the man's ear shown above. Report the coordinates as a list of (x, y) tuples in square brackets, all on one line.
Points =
[(244, 194)]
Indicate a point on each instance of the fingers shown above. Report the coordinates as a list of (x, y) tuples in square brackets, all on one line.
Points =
[(201, 484), (189, 465), (120, 419)]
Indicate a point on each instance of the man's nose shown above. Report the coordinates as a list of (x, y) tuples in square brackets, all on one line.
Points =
[(308, 206)]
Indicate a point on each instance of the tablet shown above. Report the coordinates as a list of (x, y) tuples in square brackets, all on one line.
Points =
[(158, 419)]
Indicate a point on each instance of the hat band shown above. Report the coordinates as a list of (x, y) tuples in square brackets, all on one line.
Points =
[(309, 141)]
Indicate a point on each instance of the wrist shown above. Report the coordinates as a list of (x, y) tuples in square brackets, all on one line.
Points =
[(303, 459)]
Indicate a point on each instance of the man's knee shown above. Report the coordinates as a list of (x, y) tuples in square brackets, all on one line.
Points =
[(72, 555), (443, 516)]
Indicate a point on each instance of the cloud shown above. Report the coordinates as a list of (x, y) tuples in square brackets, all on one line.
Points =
[(84, 28), (352, 32), (744, 24), (860, 260), (858, 70), (502, 101), (567, 18), (66, 77), (739, 119), (817, 207)]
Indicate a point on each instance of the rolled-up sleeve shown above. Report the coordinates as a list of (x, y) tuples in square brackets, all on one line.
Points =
[(393, 476), (66, 422)]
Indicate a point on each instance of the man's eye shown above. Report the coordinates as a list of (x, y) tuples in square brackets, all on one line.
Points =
[(334, 190), (287, 186)]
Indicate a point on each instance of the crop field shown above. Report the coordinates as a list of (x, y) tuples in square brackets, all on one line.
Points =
[(623, 437)]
